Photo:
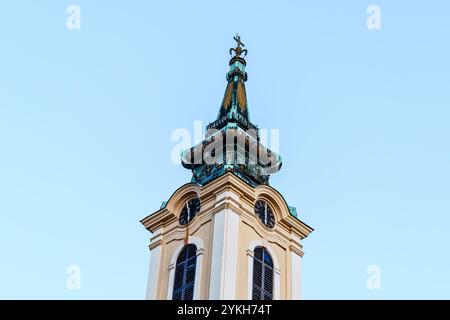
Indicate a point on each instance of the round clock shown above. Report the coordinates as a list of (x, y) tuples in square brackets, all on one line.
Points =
[(264, 213), (190, 209)]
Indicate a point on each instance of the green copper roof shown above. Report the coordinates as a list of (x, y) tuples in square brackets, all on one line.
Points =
[(232, 143), (163, 205), (293, 211)]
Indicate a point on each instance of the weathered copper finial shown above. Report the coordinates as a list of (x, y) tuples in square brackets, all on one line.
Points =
[(238, 50)]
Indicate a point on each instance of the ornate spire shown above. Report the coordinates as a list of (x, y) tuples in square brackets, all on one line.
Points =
[(232, 142), (234, 107)]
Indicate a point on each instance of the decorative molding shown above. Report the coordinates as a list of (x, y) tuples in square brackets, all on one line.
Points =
[(200, 252), (226, 195), (296, 250), (275, 236), (155, 244), (233, 187)]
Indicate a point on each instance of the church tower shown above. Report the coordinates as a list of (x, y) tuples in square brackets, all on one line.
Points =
[(227, 234)]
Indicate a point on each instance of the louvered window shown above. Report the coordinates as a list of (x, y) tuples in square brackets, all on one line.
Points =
[(183, 286), (262, 275)]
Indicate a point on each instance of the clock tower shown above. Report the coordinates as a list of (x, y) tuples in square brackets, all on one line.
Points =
[(227, 234)]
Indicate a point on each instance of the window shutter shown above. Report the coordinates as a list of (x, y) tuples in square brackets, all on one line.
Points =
[(184, 280), (262, 275)]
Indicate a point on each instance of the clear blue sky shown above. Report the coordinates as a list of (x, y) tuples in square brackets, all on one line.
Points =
[(86, 117)]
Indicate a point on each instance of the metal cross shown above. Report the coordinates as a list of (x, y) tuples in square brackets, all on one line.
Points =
[(238, 40)]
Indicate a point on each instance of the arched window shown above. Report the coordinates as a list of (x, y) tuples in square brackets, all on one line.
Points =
[(262, 275), (183, 285)]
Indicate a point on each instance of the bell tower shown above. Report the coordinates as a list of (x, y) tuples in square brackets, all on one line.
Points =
[(227, 234)]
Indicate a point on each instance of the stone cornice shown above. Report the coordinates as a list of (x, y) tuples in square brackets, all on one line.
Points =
[(296, 250), (231, 192), (155, 244)]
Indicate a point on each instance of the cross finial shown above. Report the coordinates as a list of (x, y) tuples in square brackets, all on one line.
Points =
[(237, 38), (238, 50)]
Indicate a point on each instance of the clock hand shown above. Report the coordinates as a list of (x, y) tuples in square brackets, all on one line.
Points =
[(265, 214), (188, 212)]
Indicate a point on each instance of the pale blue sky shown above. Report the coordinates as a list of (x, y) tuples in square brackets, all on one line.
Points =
[(86, 118)]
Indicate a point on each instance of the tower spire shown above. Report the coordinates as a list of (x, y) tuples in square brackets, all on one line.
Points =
[(232, 141), (234, 106)]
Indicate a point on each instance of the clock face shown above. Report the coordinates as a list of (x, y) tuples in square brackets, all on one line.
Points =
[(190, 209), (264, 213)]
